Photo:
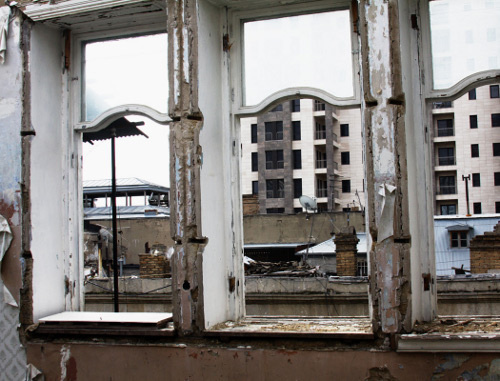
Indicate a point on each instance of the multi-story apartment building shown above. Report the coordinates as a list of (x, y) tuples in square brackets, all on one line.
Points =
[(305, 147), (467, 153)]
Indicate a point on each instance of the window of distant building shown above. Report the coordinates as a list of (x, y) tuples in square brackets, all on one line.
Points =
[(345, 158), (476, 180), (275, 188), (320, 131), (474, 150), (321, 188), (494, 91), (295, 105), (275, 210), (459, 239), (320, 159), (274, 159), (319, 106), (472, 94), (477, 208), (297, 188), (361, 267), (448, 209), (344, 130), (495, 120), (274, 130), (496, 149), (497, 179), (497, 206), (277, 108), (473, 121), (445, 127), (255, 162), (447, 185), (297, 159), (297, 210), (446, 156), (296, 130), (254, 133), (346, 186), (255, 187)]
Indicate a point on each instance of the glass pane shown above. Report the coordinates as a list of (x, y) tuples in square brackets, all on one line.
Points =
[(309, 50), (465, 39), (123, 71)]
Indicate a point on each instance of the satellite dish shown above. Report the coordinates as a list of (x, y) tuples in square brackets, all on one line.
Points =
[(308, 203)]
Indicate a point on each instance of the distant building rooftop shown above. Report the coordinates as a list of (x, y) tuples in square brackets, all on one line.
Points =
[(131, 186), (126, 212)]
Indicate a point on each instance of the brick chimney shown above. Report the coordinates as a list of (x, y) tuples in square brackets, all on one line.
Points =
[(346, 247), (485, 252)]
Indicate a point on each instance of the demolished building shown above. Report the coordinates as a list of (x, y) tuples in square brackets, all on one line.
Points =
[(208, 335)]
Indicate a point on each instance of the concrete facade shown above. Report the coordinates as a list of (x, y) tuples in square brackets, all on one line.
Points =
[(390, 53)]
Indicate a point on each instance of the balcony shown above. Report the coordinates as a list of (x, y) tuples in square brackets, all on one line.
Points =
[(440, 105), (446, 160), (320, 134), (321, 164), (321, 192), (445, 131), (447, 189)]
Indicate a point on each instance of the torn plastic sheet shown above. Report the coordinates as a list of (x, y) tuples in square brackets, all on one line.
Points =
[(4, 31), (5, 240), (386, 223)]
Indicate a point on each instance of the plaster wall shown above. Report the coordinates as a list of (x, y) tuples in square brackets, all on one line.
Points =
[(181, 361), (13, 356), (219, 155), (48, 172)]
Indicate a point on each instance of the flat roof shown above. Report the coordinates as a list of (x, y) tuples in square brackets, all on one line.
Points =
[(131, 186)]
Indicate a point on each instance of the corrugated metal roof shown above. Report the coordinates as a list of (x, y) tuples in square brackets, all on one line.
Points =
[(271, 245), (139, 211), (125, 185), (448, 257), (328, 246)]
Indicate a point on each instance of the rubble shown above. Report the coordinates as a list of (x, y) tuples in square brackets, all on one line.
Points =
[(289, 268)]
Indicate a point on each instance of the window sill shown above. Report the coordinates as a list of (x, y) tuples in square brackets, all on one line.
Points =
[(296, 327), (107, 324)]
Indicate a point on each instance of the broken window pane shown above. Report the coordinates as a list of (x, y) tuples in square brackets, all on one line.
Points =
[(125, 71), (298, 51), (461, 36)]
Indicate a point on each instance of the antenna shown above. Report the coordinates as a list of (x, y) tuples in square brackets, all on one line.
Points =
[(308, 203)]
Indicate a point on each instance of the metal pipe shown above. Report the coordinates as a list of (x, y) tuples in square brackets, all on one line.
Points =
[(466, 179), (115, 230)]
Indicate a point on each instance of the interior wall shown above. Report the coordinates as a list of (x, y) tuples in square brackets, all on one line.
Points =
[(48, 172), (12, 354), (195, 362)]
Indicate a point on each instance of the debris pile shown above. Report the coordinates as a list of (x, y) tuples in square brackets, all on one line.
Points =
[(292, 268)]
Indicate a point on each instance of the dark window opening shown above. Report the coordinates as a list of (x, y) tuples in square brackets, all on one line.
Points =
[(255, 187), (497, 206), (496, 149), (295, 105), (345, 158), (319, 106), (297, 159), (346, 186), (297, 188), (344, 130), (274, 130), (447, 185), (274, 159), (497, 178), (494, 91), (320, 131), (472, 94), (459, 239), (254, 133), (474, 150), (445, 127), (495, 120), (445, 104), (275, 188), (321, 188), (277, 108), (473, 121), (296, 130), (477, 208), (275, 210), (446, 156), (320, 159), (448, 209), (476, 179), (255, 162)]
